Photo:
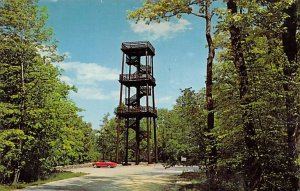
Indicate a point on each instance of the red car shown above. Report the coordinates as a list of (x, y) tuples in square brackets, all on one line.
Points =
[(108, 164)]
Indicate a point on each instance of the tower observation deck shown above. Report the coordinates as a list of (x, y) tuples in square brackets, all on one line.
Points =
[(139, 101)]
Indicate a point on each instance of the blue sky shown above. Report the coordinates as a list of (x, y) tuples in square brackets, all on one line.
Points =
[(90, 32)]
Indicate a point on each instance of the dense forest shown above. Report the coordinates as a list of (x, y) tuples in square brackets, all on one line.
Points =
[(242, 128), (39, 126)]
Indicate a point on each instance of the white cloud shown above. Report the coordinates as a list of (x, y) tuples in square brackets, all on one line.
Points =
[(165, 99), (91, 93), (164, 29), (89, 73), (66, 79), (96, 93), (88, 77)]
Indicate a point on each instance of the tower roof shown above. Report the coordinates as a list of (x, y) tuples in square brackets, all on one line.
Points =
[(138, 48)]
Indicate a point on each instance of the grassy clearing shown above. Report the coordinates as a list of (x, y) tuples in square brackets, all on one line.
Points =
[(53, 177)]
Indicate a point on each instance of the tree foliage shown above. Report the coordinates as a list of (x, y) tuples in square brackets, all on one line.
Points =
[(105, 138), (263, 159), (39, 125)]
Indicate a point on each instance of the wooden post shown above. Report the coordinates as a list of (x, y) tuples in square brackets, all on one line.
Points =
[(147, 106), (137, 130), (119, 119), (126, 143), (154, 118)]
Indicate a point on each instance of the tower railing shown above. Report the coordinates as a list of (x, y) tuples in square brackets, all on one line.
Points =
[(137, 109), (136, 76)]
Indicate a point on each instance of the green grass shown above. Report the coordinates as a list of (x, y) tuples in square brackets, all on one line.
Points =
[(53, 177), (6, 188)]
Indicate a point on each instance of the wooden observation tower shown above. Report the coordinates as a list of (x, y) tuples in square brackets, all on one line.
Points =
[(138, 84)]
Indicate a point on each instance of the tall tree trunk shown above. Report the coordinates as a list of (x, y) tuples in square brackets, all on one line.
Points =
[(16, 176), (212, 162), (289, 43), (252, 166)]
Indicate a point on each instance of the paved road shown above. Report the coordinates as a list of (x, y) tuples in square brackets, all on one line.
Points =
[(121, 178)]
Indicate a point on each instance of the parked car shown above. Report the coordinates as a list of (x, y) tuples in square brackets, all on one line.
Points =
[(108, 164)]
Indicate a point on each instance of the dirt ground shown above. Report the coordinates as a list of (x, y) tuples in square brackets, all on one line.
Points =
[(122, 178)]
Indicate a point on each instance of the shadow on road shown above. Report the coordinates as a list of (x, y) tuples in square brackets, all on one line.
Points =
[(147, 178), (96, 183)]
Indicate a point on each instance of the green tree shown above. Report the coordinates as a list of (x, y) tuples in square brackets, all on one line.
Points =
[(106, 137), (181, 130), (10, 154), (255, 29), (252, 165), (21, 34), (190, 108), (290, 48), (39, 122)]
